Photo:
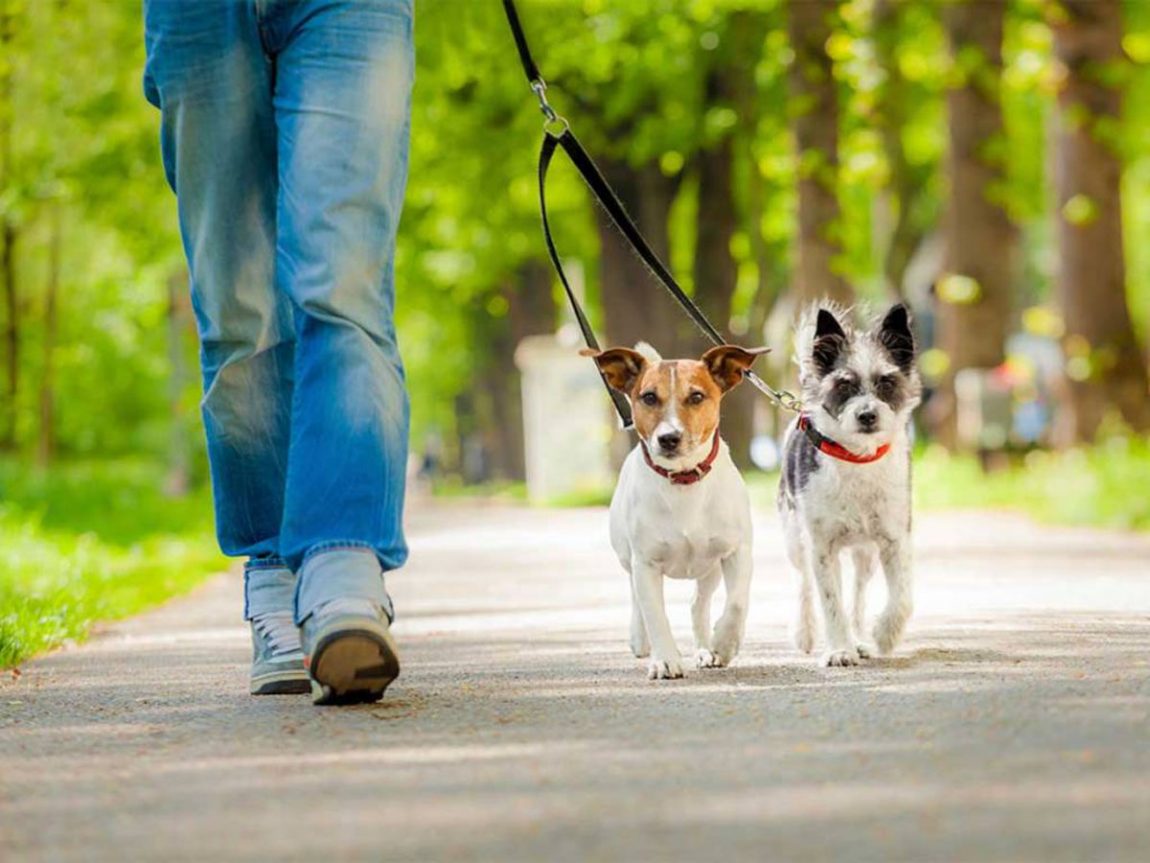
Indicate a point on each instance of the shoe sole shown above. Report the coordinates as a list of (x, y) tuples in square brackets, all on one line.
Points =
[(294, 682), (353, 666)]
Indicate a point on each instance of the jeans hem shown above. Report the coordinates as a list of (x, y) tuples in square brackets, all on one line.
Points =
[(338, 545)]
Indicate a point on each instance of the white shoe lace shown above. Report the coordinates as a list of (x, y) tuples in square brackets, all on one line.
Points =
[(280, 631)]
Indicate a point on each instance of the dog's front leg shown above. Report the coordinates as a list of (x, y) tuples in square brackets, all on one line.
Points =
[(640, 644), (729, 630), (701, 619), (895, 556), (828, 577), (864, 564), (647, 582)]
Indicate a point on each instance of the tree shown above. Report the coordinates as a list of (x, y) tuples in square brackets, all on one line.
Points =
[(1105, 366), (814, 107), (974, 293)]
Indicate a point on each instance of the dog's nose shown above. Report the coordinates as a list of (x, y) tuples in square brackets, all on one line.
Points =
[(669, 442), (867, 419)]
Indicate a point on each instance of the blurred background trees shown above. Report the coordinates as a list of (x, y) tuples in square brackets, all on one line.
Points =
[(984, 160)]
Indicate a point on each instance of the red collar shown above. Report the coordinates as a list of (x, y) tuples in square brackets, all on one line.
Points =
[(836, 450), (685, 477)]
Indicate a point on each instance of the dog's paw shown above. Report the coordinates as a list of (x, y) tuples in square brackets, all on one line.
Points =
[(864, 650), (704, 658), (664, 669), (641, 648), (840, 658)]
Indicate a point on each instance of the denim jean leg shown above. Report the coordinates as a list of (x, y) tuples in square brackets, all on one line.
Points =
[(207, 72), (342, 105), (269, 587)]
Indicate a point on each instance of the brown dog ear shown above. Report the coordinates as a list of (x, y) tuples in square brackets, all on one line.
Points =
[(726, 363), (621, 367)]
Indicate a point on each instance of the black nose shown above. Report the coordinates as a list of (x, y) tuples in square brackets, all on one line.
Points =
[(670, 442), (867, 419)]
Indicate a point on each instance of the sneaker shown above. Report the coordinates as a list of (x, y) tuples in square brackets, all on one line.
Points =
[(277, 656), (349, 652)]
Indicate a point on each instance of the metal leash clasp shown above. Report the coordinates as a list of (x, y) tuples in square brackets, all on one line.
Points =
[(553, 124), (786, 400)]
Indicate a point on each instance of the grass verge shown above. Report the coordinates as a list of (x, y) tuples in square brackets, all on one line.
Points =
[(92, 541)]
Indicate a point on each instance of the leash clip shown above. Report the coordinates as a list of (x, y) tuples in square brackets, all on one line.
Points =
[(539, 87), (553, 124)]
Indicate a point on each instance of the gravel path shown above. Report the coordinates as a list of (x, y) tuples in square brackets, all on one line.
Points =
[(1013, 724)]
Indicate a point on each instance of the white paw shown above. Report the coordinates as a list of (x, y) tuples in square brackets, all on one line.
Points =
[(706, 659), (664, 669), (864, 650), (840, 658), (803, 636), (641, 648)]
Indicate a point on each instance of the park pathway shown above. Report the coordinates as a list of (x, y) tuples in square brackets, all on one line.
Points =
[(1013, 724)]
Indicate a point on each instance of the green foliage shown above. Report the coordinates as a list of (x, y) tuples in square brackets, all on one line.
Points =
[(92, 541), (1102, 486)]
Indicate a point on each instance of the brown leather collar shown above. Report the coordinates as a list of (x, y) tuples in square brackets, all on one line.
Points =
[(685, 477)]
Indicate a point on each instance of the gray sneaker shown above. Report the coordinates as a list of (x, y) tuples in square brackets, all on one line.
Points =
[(277, 656), (349, 652)]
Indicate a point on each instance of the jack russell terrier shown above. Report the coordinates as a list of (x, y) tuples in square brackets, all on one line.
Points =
[(681, 509), (846, 475)]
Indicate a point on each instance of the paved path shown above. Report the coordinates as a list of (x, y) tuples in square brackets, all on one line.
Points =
[(1014, 724)]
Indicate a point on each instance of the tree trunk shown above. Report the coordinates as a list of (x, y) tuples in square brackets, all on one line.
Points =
[(531, 311), (974, 294), (907, 183), (46, 440), (635, 306), (815, 106), (1104, 364), (178, 480), (8, 240), (716, 271), (11, 336)]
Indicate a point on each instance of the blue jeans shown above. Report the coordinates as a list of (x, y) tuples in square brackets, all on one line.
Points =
[(284, 135)]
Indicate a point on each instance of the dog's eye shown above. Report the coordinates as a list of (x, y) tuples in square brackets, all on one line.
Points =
[(845, 385), (886, 384), (649, 399), (695, 398)]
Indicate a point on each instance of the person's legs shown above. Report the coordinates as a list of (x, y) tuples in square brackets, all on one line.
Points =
[(207, 72), (342, 106)]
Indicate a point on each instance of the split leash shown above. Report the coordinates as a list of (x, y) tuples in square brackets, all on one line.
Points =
[(557, 135)]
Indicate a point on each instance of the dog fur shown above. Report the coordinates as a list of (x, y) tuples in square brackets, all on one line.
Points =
[(699, 531), (859, 387)]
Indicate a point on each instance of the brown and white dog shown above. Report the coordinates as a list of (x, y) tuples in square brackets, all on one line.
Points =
[(681, 509)]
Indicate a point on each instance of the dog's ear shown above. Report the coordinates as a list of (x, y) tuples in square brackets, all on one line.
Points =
[(726, 363), (830, 339), (620, 367), (894, 334)]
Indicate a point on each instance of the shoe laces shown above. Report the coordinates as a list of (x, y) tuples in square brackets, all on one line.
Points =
[(279, 630)]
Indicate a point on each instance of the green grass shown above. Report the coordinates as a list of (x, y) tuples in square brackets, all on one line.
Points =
[(86, 542), (1107, 485)]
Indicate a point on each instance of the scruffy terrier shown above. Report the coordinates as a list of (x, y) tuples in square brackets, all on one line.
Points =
[(846, 475)]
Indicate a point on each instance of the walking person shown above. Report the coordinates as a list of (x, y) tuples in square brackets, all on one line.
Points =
[(284, 134)]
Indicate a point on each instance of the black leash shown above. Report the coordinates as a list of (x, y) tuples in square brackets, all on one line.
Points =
[(557, 134)]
